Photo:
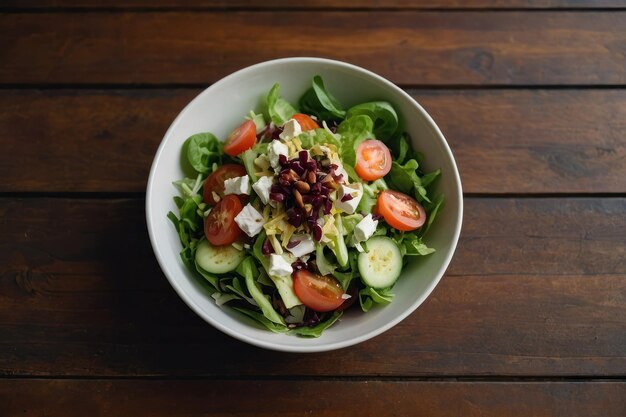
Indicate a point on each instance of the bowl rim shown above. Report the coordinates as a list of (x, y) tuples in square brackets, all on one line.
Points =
[(313, 347)]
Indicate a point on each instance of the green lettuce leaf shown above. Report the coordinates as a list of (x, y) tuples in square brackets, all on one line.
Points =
[(278, 109), (270, 325), (382, 113), (353, 131), (316, 331), (203, 149), (249, 271), (368, 297), (320, 103)]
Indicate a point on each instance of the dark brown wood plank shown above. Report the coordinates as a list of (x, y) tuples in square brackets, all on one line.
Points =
[(29, 398), (505, 141), (312, 4), (410, 48), (536, 288)]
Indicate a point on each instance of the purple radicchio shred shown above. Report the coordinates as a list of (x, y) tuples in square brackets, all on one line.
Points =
[(298, 265), (303, 156), (276, 132), (315, 214), (311, 265), (292, 244), (328, 206), (279, 304), (282, 160), (377, 217), (248, 239), (295, 217), (297, 167), (316, 229), (311, 166), (316, 188), (318, 200), (277, 197), (311, 318), (267, 247), (346, 197)]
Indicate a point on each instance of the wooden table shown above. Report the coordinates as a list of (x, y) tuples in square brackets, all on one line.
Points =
[(530, 319)]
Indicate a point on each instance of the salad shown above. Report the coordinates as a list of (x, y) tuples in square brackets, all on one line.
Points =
[(304, 212)]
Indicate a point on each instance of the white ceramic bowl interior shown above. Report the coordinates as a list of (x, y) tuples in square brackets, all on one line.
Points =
[(219, 109)]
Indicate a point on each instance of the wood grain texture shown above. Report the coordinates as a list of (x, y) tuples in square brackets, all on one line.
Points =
[(30, 398), (409, 48), (536, 288), (504, 141), (312, 4)]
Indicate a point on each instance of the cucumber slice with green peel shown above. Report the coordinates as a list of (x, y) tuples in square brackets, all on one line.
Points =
[(381, 265), (218, 259)]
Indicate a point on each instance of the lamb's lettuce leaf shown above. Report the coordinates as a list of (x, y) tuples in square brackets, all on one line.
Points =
[(203, 149)]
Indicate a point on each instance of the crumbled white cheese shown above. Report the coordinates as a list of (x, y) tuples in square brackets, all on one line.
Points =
[(262, 188), (279, 267), (305, 246), (291, 129), (365, 228), (274, 150), (345, 296), (250, 220), (237, 185), (354, 190)]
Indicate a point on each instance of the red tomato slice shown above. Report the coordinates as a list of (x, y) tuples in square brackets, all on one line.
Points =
[(305, 122), (220, 227), (373, 160), (400, 211), (215, 182), (317, 292), (241, 139)]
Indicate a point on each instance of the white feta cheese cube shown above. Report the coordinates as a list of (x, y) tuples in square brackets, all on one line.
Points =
[(250, 220), (355, 191), (237, 185), (365, 228), (274, 150), (262, 189), (279, 267), (304, 246), (291, 129)]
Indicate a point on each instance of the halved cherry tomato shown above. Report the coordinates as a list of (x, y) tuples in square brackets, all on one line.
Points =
[(305, 122), (400, 211), (241, 139), (215, 182), (373, 160), (220, 227), (318, 292)]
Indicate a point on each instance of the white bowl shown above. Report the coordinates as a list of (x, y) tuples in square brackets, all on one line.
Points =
[(219, 109)]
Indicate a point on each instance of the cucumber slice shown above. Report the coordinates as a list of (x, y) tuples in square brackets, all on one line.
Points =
[(218, 259), (380, 267)]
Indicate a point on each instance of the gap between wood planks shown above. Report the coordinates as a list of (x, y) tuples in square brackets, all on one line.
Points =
[(98, 195), (408, 88), (326, 378)]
